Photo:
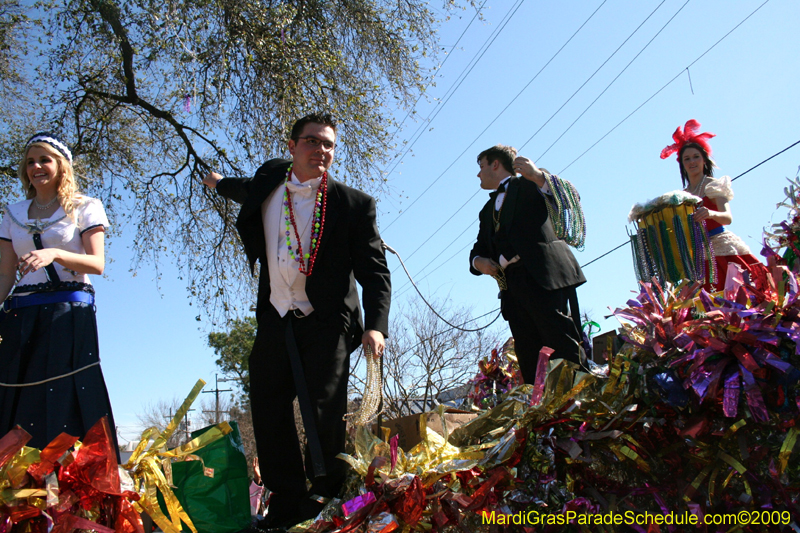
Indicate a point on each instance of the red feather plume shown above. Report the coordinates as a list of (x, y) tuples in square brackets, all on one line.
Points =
[(688, 135)]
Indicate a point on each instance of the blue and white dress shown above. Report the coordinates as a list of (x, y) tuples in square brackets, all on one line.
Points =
[(51, 348)]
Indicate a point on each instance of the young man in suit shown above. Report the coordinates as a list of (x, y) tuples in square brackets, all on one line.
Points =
[(516, 243), (314, 238)]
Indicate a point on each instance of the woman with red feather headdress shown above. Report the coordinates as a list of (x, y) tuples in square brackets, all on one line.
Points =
[(697, 175)]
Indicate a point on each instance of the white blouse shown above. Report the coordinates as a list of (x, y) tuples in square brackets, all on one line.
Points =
[(58, 231), (717, 188)]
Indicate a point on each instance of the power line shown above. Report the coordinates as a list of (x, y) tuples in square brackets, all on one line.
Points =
[(497, 116), (452, 242), (605, 254), (612, 81), (453, 88), (402, 292), (635, 110), (429, 237), (546, 122), (448, 329), (433, 76), (764, 161), (664, 87), (549, 119), (582, 266), (626, 243)]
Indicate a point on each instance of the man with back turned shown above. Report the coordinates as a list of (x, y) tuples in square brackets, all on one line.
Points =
[(517, 245)]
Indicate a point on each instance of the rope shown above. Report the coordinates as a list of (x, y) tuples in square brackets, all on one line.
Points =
[(49, 379), (435, 312)]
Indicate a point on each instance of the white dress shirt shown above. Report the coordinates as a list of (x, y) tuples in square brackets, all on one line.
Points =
[(287, 284)]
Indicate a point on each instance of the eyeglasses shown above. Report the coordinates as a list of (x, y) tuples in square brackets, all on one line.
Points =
[(314, 142)]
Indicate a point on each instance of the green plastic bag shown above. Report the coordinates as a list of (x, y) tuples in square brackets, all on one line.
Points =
[(215, 490)]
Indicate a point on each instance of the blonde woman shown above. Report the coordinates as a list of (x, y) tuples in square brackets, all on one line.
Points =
[(50, 377)]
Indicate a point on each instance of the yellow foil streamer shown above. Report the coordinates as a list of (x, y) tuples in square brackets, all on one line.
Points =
[(145, 467), (435, 458), (786, 449), (734, 428), (733, 462), (695, 485)]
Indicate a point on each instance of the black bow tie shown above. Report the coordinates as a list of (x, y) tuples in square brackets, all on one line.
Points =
[(501, 188)]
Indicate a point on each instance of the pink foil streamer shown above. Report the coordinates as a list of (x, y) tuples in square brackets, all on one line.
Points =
[(393, 445), (359, 502), (734, 279), (11, 443), (541, 375), (683, 341), (5, 524), (715, 378), (665, 509), (706, 299), (773, 360), (697, 510)]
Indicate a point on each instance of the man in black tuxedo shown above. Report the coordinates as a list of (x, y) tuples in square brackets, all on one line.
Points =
[(517, 244), (314, 238)]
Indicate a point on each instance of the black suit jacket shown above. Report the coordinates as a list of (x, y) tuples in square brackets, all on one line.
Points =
[(525, 224), (350, 249)]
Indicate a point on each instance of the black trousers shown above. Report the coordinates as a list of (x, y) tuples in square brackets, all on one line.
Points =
[(41, 342), (324, 348), (538, 317)]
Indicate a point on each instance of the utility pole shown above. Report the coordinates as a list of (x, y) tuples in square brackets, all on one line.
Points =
[(216, 392), (185, 422)]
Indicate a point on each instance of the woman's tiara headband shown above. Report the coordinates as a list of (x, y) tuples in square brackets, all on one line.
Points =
[(688, 135), (53, 141)]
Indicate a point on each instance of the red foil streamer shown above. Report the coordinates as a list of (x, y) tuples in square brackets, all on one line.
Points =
[(51, 454), (94, 472), (412, 504), (11, 443)]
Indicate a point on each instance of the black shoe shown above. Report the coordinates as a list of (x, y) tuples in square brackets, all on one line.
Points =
[(284, 513), (308, 509), (262, 525)]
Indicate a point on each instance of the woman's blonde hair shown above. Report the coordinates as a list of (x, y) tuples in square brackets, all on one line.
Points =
[(67, 186)]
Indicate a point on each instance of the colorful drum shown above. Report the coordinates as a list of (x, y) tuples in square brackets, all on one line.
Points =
[(668, 244)]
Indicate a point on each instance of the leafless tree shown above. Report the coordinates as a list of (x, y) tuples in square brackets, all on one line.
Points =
[(158, 414), (425, 357)]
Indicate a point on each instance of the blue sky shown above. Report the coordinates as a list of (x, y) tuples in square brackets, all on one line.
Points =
[(744, 89)]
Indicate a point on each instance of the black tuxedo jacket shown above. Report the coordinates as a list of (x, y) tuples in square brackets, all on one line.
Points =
[(349, 251), (525, 224)]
